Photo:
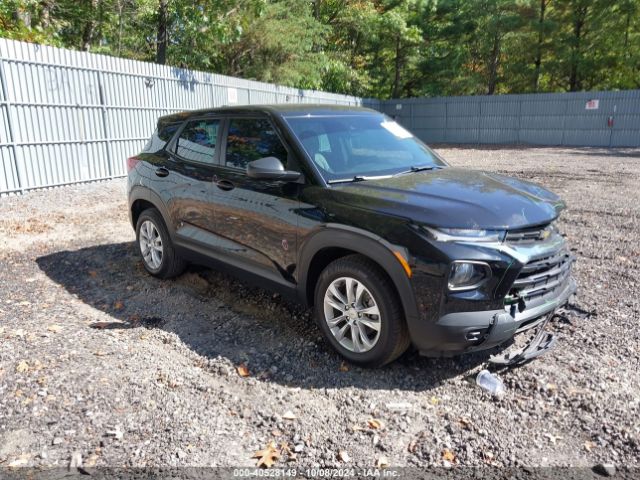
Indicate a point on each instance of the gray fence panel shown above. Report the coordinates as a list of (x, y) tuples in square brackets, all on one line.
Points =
[(68, 117), (538, 119)]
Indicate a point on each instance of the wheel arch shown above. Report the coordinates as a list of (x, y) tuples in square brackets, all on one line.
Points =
[(333, 242), (141, 199)]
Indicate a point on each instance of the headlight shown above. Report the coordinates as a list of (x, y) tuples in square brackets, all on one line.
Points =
[(467, 275), (465, 234)]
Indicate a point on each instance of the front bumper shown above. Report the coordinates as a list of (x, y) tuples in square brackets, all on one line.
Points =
[(463, 332)]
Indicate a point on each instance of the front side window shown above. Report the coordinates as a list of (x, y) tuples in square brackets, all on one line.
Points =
[(251, 139), (366, 145), (197, 141)]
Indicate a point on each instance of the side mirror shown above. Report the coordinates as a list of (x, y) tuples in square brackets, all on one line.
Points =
[(270, 168)]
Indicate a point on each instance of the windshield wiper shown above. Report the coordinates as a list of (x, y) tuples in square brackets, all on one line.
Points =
[(358, 178), (420, 168)]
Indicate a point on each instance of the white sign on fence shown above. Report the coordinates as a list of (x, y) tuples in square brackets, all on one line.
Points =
[(232, 95), (592, 105)]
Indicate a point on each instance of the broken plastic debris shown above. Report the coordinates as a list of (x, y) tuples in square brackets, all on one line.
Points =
[(490, 382)]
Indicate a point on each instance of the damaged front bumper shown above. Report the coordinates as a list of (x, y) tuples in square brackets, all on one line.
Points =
[(464, 332), (543, 285)]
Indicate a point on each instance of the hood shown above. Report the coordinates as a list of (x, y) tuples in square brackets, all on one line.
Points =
[(455, 198)]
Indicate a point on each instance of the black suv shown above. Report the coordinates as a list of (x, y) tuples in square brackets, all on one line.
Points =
[(346, 211)]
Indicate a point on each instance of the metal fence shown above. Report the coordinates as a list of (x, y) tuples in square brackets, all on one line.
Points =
[(69, 117), (596, 119)]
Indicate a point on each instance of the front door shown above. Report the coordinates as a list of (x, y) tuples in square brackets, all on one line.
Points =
[(256, 219)]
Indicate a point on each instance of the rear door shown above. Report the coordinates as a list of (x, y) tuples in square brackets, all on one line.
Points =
[(256, 219), (194, 153)]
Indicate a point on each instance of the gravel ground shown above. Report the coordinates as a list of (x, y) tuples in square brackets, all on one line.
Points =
[(100, 361)]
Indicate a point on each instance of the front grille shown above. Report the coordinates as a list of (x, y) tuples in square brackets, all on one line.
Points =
[(529, 235), (542, 276)]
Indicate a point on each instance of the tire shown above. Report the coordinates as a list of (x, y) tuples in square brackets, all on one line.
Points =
[(376, 293), (163, 264)]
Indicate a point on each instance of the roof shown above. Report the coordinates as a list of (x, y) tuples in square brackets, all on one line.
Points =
[(283, 110)]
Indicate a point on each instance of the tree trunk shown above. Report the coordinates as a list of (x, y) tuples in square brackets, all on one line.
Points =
[(395, 93), (89, 26), (316, 9), (579, 16), (494, 62), (161, 39), (45, 15), (22, 15), (538, 59), (120, 23)]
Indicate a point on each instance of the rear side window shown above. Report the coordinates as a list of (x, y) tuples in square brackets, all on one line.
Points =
[(250, 139), (197, 141), (160, 137)]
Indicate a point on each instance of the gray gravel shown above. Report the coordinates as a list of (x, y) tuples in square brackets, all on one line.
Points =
[(100, 363)]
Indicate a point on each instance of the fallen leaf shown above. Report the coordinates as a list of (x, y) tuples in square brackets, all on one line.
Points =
[(54, 328), (448, 455), (268, 456), (588, 446), (375, 424), (413, 446), (23, 367), (243, 371), (382, 462), (343, 456), (118, 305), (100, 353), (93, 273), (344, 367), (465, 423), (434, 401), (288, 415)]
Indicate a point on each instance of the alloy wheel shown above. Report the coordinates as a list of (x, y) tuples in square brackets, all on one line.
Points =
[(151, 245), (352, 314)]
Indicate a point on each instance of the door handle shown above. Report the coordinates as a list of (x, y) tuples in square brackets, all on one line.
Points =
[(162, 172), (225, 185)]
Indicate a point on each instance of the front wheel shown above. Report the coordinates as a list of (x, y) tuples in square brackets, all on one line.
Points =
[(359, 313), (159, 256)]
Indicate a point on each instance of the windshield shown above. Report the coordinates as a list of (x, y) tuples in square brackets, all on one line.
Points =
[(343, 147)]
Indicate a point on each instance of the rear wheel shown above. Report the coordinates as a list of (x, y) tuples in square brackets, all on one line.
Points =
[(154, 244), (359, 312)]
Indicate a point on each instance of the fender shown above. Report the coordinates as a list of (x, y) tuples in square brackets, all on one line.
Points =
[(139, 192), (364, 243)]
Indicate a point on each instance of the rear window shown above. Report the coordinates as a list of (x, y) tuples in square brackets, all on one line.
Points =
[(161, 137), (197, 141)]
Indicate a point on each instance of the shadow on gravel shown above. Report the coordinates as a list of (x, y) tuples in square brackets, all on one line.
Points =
[(216, 316)]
